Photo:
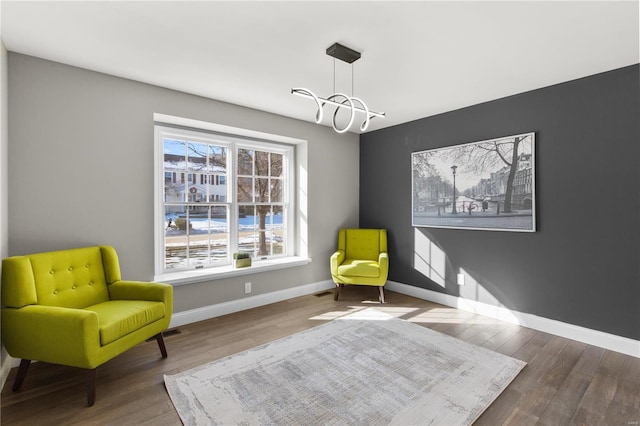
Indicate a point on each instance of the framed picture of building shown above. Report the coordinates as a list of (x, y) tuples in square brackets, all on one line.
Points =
[(486, 185)]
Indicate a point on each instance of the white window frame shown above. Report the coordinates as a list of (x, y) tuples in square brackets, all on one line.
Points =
[(296, 236)]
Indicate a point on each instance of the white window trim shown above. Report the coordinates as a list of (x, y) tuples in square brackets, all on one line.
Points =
[(298, 205), (227, 271)]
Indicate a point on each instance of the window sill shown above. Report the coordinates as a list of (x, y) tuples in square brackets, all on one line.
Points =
[(200, 275)]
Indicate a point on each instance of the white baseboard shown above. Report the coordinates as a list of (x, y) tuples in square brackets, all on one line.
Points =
[(5, 367), (212, 311), (592, 337)]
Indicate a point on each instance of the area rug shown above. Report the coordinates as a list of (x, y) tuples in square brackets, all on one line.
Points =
[(362, 369)]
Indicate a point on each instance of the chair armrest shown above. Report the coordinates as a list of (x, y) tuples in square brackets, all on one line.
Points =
[(140, 290), (383, 263), (336, 260), (52, 334)]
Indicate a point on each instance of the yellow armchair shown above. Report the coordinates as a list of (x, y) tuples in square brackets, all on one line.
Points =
[(361, 259), (71, 307)]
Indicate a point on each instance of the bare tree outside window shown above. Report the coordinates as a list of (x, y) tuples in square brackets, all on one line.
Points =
[(260, 185)]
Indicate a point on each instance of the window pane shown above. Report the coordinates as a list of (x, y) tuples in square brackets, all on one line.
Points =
[(278, 242), (245, 162), (264, 249), (217, 159), (219, 233), (262, 163), (247, 242), (176, 252), (276, 191), (197, 195), (262, 190), (175, 237), (216, 187), (263, 216), (278, 235), (174, 192), (174, 169), (245, 189), (276, 164), (263, 222), (174, 150), (246, 219), (198, 249), (197, 224), (196, 156), (246, 229)]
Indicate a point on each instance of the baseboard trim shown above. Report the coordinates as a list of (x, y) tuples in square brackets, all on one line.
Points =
[(592, 337), (212, 311), (5, 367)]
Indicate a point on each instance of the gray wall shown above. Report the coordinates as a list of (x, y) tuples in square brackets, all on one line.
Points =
[(81, 171), (583, 265), (5, 365)]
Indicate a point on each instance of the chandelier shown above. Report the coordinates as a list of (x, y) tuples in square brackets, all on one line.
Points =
[(340, 100)]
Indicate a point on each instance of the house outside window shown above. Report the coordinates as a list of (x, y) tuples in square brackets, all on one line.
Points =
[(218, 194)]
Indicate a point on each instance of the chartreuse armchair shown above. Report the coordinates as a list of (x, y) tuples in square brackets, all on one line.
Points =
[(361, 259), (71, 307)]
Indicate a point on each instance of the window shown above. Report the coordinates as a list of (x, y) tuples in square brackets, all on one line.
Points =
[(219, 194)]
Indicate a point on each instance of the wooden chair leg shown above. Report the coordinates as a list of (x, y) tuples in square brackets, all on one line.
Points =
[(163, 349), (91, 386), (22, 373), (336, 295), (381, 289)]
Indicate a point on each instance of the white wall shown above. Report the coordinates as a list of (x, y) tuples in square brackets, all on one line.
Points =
[(5, 362), (81, 172)]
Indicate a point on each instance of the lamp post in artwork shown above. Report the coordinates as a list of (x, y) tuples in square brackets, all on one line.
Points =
[(453, 210)]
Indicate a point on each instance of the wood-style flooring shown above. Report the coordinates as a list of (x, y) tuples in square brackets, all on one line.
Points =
[(565, 382)]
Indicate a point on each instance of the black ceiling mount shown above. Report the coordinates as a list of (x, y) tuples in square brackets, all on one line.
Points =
[(343, 53)]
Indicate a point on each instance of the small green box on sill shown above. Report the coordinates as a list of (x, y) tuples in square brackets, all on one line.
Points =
[(241, 260)]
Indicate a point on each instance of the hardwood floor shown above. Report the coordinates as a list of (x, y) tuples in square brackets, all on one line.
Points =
[(565, 382)]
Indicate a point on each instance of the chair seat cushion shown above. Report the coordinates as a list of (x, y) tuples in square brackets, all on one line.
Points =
[(117, 318), (359, 268)]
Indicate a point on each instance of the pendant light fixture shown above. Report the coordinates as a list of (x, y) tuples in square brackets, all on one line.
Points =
[(340, 100)]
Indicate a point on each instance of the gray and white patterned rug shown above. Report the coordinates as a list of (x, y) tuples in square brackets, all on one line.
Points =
[(364, 368)]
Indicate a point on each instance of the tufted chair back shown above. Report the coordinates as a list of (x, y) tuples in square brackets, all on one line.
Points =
[(362, 243), (74, 278)]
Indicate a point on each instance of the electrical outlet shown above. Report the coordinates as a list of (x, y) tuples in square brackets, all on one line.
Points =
[(460, 279), (247, 288)]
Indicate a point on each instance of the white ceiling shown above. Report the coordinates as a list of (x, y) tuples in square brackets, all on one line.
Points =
[(419, 58)]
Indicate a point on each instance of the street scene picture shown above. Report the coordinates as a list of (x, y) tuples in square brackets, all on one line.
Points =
[(486, 185)]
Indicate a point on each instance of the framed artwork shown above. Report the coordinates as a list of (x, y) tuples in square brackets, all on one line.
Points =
[(486, 185)]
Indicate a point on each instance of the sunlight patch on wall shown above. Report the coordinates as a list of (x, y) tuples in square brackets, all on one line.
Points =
[(303, 214), (474, 291), (428, 258), (476, 298)]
